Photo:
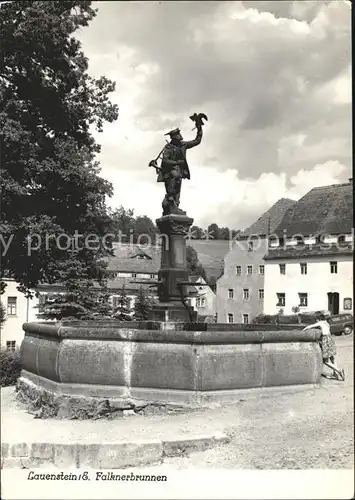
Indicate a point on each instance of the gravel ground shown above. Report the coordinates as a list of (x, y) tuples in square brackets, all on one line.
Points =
[(298, 430), (312, 430)]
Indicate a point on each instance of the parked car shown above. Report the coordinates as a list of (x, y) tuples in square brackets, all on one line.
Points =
[(341, 323)]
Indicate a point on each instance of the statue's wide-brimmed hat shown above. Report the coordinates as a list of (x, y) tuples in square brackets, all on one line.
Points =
[(173, 132)]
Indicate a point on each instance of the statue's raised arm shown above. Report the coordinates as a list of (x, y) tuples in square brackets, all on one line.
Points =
[(174, 165), (198, 119)]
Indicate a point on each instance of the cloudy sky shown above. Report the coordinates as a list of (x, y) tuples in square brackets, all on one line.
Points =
[(273, 77)]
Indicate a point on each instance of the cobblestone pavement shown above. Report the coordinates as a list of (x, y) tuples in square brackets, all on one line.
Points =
[(310, 430)]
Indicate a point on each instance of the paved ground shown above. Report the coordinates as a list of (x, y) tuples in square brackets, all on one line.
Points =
[(309, 429)]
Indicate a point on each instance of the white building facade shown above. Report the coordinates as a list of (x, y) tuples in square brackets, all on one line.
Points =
[(309, 264), (203, 300), (310, 283), (19, 310), (240, 290)]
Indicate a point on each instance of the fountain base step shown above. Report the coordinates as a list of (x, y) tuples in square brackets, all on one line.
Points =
[(121, 398)]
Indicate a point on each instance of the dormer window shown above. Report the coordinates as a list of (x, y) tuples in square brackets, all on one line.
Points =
[(273, 241), (141, 255)]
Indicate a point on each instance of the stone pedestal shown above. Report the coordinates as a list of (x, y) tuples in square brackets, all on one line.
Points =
[(174, 229), (172, 312)]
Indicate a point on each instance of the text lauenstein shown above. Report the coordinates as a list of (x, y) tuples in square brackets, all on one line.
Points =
[(99, 476)]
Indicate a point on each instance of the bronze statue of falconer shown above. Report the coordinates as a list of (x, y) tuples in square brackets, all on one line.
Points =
[(174, 166)]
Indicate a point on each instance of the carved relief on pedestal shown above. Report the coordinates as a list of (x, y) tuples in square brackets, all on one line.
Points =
[(174, 226)]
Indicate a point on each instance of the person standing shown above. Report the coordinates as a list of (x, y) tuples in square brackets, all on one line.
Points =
[(327, 345)]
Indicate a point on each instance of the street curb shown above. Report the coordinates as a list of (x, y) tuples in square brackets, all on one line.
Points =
[(118, 455)]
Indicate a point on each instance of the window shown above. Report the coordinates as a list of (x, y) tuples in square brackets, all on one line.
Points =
[(10, 345), (299, 240), (134, 275), (230, 293), (303, 299), (281, 242), (282, 268), (152, 276), (341, 239), (281, 299), (201, 302), (230, 318), (261, 293), (303, 266), (261, 269), (238, 270), (249, 269), (245, 319), (319, 239), (333, 267), (246, 293), (273, 241), (12, 306), (348, 303), (250, 246)]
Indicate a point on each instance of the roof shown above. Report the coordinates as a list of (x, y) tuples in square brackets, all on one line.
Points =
[(303, 251), (147, 259), (115, 284), (134, 258), (323, 210), (211, 255), (268, 222), (130, 284)]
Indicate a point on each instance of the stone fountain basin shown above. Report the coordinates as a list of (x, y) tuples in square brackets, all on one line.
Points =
[(166, 363)]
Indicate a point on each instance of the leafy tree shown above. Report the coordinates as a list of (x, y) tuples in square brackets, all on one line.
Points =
[(145, 230), (122, 310), (50, 183), (82, 298), (142, 305), (193, 264), (213, 231), (122, 223), (197, 232), (126, 227)]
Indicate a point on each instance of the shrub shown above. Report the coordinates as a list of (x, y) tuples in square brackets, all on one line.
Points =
[(2, 313), (264, 319), (10, 367), (288, 319), (281, 319)]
